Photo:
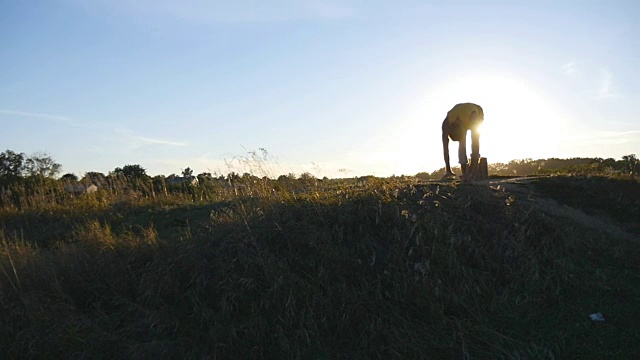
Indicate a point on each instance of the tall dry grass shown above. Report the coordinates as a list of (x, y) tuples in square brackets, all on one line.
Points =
[(293, 268)]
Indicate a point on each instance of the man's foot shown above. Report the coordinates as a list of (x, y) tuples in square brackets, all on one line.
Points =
[(449, 175)]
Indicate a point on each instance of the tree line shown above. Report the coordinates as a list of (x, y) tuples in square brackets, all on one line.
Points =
[(18, 168), (24, 174), (628, 164)]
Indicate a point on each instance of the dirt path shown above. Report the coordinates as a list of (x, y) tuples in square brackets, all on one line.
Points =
[(524, 192)]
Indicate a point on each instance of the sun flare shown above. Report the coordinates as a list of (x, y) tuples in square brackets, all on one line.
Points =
[(520, 121)]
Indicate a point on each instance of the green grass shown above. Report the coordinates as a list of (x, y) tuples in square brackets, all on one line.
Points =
[(386, 268)]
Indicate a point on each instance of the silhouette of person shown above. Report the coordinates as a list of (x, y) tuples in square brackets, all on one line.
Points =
[(461, 118)]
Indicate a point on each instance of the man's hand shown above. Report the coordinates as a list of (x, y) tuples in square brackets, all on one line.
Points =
[(472, 169)]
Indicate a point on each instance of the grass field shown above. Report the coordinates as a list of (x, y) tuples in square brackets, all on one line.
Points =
[(337, 269)]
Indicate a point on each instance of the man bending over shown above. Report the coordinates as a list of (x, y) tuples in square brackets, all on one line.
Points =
[(460, 119)]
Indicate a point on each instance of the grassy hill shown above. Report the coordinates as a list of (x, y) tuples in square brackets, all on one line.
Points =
[(377, 268)]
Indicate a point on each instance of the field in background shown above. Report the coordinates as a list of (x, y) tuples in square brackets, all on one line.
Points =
[(305, 268)]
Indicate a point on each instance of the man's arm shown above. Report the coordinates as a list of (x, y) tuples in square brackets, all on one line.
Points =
[(475, 144), (475, 153), (445, 147)]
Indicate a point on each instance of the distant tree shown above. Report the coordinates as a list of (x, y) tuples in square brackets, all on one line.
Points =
[(41, 164), (131, 171), (523, 166), (607, 165), (69, 177), (609, 162), (289, 178), (233, 176), (205, 177), (187, 172), (307, 179), (440, 173), (94, 177), (307, 176), (630, 164), (159, 183), (423, 176), (11, 166)]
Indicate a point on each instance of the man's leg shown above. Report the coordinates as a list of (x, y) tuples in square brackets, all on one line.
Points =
[(462, 156)]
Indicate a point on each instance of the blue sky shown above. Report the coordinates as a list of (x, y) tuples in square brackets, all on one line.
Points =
[(342, 87)]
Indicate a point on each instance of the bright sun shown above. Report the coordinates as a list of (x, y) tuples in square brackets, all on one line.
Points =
[(519, 121)]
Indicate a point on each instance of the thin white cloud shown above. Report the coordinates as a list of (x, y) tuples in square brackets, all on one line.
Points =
[(569, 68), (136, 141), (606, 137), (618, 133), (606, 80), (147, 140), (617, 137), (601, 143), (37, 115)]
